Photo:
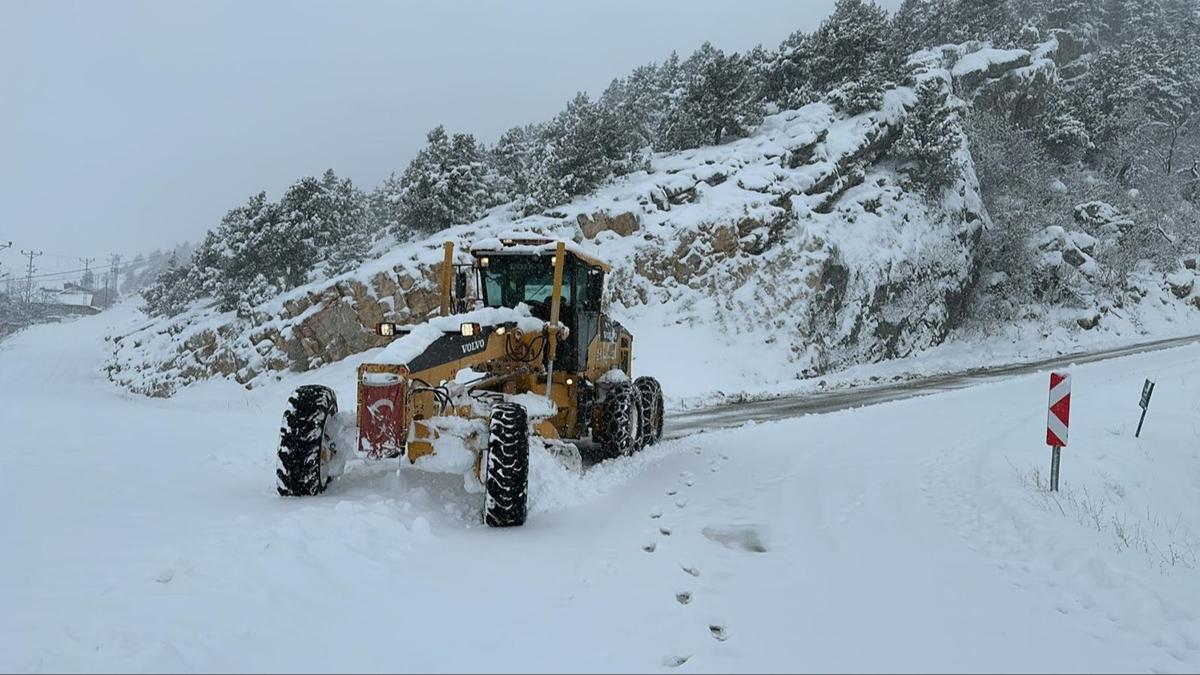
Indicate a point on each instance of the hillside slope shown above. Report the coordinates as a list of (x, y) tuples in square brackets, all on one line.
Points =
[(800, 249)]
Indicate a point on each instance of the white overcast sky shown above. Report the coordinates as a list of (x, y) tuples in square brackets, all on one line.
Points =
[(129, 126)]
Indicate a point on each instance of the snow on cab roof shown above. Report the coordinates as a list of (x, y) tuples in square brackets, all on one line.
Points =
[(528, 242)]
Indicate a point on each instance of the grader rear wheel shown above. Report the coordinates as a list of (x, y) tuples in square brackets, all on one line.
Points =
[(650, 392), (621, 421)]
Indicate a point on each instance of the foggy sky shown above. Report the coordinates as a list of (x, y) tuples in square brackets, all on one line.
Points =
[(128, 126)]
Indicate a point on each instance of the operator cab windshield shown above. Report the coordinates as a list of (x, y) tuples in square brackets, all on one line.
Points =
[(512, 279)]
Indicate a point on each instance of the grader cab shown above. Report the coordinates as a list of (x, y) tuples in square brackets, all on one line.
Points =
[(521, 358)]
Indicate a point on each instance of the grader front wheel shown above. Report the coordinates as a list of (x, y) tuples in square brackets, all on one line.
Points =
[(506, 478), (305, 445)]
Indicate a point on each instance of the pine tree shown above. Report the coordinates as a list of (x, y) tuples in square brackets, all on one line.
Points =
[(447, 183), (930, 139), (860, 95), (848, 43), (588, 146), (786, 80), (168, 294), (258, 242), (987, 20), (909, 27), (384, 205), (720, 98), (636, 104), (1084, 18)]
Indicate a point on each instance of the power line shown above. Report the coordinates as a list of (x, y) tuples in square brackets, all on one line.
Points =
[(129, 265)]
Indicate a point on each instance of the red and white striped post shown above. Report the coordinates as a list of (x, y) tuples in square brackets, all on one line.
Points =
[(1058, 420)]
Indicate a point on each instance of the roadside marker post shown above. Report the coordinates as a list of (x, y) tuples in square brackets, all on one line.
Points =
[(1058, 419), (1147, 392)]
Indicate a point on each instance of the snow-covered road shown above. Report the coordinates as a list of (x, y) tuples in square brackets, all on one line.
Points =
[(723, 415), (909, 536)]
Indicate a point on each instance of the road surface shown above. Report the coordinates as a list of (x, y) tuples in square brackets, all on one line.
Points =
[(725, 415)]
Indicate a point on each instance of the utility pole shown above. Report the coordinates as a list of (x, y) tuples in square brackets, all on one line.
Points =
[(87, 280), (29, 270), (115, 261), (4, 245)]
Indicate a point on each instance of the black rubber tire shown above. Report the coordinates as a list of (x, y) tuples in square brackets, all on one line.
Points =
[(620, 421), (506, 486), (650, 392), (302, 435)]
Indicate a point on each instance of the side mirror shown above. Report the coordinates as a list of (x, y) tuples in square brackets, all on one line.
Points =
[(460, 285)]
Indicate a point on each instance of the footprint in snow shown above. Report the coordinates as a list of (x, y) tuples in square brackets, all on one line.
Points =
[(690, 483), (692, 571), (649, 548), (683, 597), (672, 493), (718, 632), (675, 661), (664, 531), (680, 503), (736, 537), (655, 513)]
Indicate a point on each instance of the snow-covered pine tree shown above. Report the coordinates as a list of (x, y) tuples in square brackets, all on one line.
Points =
[(720, 99), (321, 213), (786, 80), (587, 147), (448, 182), (1085, 19), (1129, 21), (257, 241), (921, 24), (352, 227), (848, 43), (986, 20), (862, 94), (168, 294), (931, 138), (384, 206), (636, 105)]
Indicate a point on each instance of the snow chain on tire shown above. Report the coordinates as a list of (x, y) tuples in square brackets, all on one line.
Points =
[(650, 392), (620, 421), (302, 436), (506, 484)]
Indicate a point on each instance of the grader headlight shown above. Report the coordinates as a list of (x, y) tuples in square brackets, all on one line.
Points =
[(385, 329), (471, 330)]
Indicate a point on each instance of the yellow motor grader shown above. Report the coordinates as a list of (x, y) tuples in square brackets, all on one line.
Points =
[(522, 355)]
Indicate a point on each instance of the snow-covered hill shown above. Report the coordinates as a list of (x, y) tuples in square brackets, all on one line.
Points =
[(801, 240), (145, 535), (796, 251)]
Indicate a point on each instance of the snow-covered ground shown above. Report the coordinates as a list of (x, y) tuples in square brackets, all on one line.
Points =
[(145, 535)]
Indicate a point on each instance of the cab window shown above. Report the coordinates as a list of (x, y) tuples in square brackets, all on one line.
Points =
[(510, 280)]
